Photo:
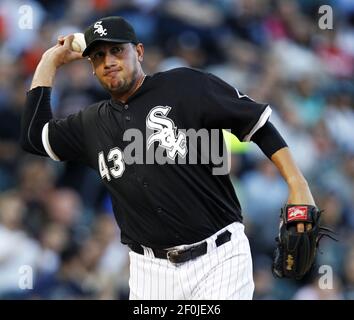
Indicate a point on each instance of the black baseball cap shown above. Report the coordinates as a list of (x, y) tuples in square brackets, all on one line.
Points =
[(109, 29)]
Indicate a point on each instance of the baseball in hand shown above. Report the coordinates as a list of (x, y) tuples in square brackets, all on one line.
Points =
[(79, 43)]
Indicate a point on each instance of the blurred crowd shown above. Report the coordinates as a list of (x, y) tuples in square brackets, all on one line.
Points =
[(57, 218)]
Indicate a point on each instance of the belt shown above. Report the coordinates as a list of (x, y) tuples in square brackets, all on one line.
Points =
[(184, 255)]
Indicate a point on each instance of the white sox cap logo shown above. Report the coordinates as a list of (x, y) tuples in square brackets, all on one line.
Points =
[(99, 29)]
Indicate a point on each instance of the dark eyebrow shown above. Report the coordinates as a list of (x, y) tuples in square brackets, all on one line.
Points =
[(93, 51), (100, 49), (120, 45)]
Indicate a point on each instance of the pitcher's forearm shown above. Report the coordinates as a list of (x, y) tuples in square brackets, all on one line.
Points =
[(300, 194), (52, 59), (299, 191), (287, 167), (44, 74)]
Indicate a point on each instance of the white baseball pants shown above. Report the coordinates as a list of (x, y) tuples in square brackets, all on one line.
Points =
[(223, 273)]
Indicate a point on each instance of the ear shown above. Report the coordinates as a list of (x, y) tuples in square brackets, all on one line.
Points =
[(92, 65), (140, 51)]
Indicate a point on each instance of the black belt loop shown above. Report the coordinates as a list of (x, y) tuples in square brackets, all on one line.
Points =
[(222, 238), (180, 255)]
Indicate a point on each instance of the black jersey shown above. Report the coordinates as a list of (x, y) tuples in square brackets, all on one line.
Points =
[(178, 202)]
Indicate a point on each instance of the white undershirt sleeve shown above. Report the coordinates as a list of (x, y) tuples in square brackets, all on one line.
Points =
[(261, 121), (46, 144)]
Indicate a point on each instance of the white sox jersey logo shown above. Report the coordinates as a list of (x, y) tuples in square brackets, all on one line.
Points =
[(99, 29), (166, 135)]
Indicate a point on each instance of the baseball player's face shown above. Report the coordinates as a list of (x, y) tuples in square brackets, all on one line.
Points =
[(116, 65)]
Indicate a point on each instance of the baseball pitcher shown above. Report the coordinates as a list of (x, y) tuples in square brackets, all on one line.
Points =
[(182, 222)]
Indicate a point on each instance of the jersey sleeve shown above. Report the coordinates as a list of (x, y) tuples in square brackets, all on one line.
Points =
[(224, 107), (64, 139)]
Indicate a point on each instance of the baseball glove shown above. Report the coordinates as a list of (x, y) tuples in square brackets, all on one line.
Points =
[(296, 250)]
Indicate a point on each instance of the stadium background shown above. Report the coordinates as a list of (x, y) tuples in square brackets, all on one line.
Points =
[(57, 219)]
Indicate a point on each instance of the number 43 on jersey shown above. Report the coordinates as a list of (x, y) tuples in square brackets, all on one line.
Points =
[(115, 156)]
